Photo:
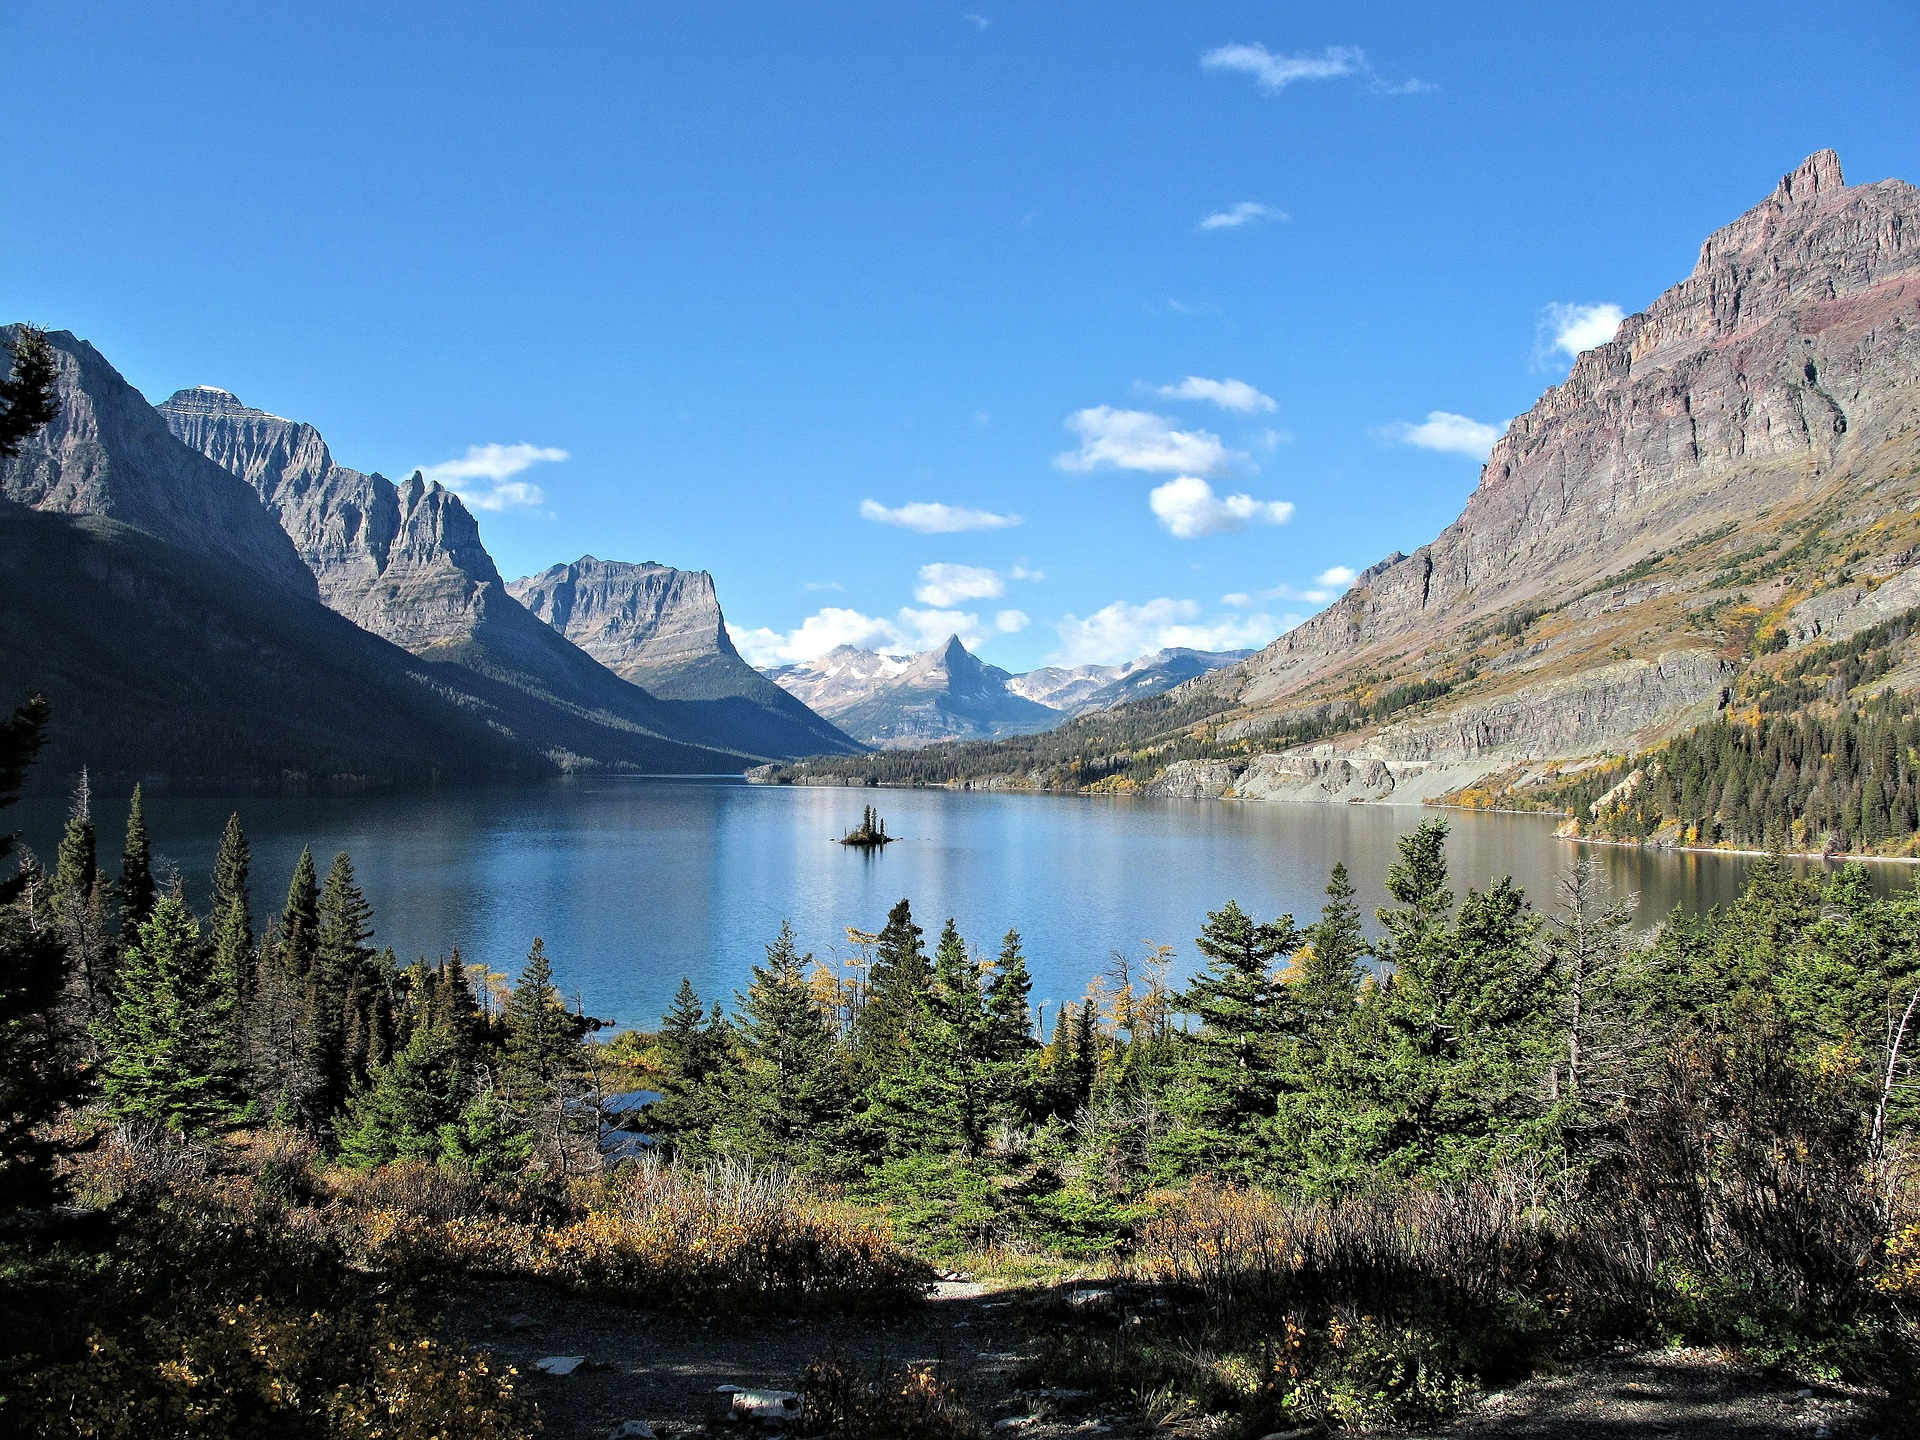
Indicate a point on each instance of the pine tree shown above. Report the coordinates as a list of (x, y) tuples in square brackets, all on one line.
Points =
[(78, 901), (1326, 982), (1453, 1050), (696, 1060), (401, 1111), (168, 1042), (288, 1052), (1232, 1068), (37, 1078), (1006, 1038), (29, 396), (342, 982), (790, 1093), (136, 889), (892, 1005), (232, 925), (1588, 947), (542, 1073)]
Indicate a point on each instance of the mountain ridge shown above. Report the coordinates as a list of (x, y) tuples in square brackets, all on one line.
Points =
[(407, 562), (1728, 474)]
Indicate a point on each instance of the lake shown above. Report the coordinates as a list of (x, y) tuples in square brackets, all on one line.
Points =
[(633, 883)]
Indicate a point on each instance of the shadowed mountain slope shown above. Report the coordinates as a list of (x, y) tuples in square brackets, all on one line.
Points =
[(406, 562)]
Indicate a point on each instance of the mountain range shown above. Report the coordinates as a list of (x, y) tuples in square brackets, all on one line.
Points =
[(1734, 475), (947, 693), (280, 619)]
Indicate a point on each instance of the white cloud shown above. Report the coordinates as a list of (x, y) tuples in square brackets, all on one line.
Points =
[(1188, 508), (944, 584), (823, 585), (1571, 329), (483, 476), (979, 22), (1119, 632), (932, 518), (1140, 440), (834, 626), (1247, 212), (1327, 585), (1455, 434), (1276, 72), (1236, 395)]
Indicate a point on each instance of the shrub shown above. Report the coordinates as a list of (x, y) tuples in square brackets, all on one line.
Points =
[(914, 1402), (718, 1237)]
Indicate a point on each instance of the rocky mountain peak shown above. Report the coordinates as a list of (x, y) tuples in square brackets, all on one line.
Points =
[(631, 617), (1788, 355), (108, 454)]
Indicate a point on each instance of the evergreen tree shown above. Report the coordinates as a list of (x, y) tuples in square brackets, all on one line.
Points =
[(401, 1111), (541, 1074), (790, 1092), (37, 1078), (1454, 1049), (1327, 971), (29, 396), (893, 1003), (1006, 1038), (79, 905), (232, 924), (1232, 1068), (168, 1042), (342, 984), (695, 1052), (300, 917), (1588, 947), (485, 1140), (286, 1036), (137, 890)]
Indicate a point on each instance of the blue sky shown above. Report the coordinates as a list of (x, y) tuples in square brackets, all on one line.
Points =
[(823, 297)]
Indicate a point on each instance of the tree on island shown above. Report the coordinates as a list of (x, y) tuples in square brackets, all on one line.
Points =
[(870, 833)]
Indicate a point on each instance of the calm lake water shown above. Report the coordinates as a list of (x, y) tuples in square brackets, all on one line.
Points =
[(634, 883)]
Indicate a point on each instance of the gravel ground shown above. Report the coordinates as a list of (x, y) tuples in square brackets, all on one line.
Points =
[(664, 1370), (1670, 1392)]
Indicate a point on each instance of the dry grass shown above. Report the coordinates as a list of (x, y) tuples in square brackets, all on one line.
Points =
[(723, 1237)]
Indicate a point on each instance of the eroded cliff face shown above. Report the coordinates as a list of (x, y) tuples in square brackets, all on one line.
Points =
[(1788, 360), (636, 620), (404, 561), (108, 454)]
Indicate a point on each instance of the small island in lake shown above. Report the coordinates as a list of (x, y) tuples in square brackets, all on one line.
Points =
[(870, 833)]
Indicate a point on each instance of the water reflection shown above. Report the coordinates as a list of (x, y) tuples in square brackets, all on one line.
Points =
[(633, 883)]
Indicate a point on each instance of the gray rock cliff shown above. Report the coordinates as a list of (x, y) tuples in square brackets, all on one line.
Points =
[(1789, 354), (109, 455), (662, 628)]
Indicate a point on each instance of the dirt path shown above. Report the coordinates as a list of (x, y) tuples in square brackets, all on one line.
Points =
[(664, 1370), (1689, 1393)]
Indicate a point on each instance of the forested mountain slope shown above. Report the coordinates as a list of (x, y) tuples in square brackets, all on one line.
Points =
[(159, 667)]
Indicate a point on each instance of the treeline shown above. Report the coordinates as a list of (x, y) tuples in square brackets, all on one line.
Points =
[(1470, 1038), (1842, 780), (1802, 761), (1125, 747), (188, 1025), (1133, 741)]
